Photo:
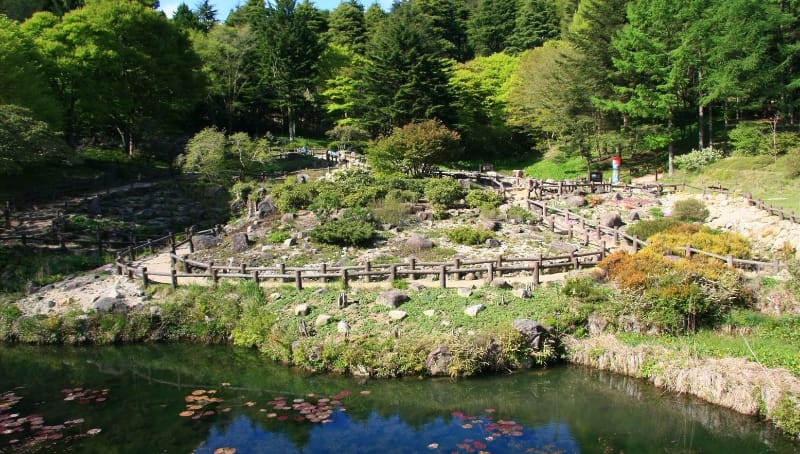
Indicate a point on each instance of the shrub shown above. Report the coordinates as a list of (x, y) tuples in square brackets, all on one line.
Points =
[(278, 236), (704, 238), (520, 214), (293, 196), (391, 211), (675, 295), (646, 229), (343, 232), (585, 289), (325, 204), (697, 160), (480, 198), (468, 235), (443, 192), (691, 210)]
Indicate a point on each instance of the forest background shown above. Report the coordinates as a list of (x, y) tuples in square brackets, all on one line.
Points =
[(512, 79)]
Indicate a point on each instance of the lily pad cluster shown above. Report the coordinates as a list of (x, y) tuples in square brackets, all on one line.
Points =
[(312, 410), (198, 403), (489, 429), (85, 395), (31, 429)]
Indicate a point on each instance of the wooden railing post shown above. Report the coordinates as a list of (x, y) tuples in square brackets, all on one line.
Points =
[(368, 268), (635, 243), (457, 264), (730, 261), (616, 236), (298, 280), (345, 282), (392, 272), (490, 272), (323, 269), (145, 279), (443, 276), (173, 274), (189, 240), (574, 260), (602, 249), (412, 263), (281, 271), (688, 251), (536, 272), (256, 279)]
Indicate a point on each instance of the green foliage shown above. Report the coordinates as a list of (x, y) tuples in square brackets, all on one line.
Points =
[(747, 138), (443, 192), (278, 236), (674, 240), (520, 214), (291, 196), (690, 210), (468, 235), (19, 265), (791, 164), (415, 149), (585, 289), (26, 142), (343, 232), (697, 160), (646, 228), (480, 198)]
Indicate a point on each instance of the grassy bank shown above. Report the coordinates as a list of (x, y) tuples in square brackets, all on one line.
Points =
[(245, 314), (744, 386)]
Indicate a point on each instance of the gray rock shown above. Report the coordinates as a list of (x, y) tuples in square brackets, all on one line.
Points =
[(429, 312), (418, 242), (239, 242), (493, 243), (576, 201), (392, 298), (499, 283), (32, 287), (302, 309), (634, 216), (473, 310), (205, 241), (302, 178), (397, 314), (611, 220), (287, 218), (465, 292), (265, 208), (490, 224), (521, 293), (425, 215), (289, 242), (438, 361), (107, 304), (416, 286), (322, 320), (533, 332), (597, 323)]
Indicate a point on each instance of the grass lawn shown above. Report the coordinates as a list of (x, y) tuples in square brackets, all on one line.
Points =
[(771, 341)]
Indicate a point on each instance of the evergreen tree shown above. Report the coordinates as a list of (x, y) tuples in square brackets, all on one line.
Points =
[(346, 26), (185, 19), (206, 15), (373, 17), (406, 76), (449, 24), (491, 25), (537, 21)]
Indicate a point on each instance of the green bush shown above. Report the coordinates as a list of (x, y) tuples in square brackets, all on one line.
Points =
[(690, 210), (791, 164), (697, 160), (291, 197), (647, 228), (480, 198), (343, 232), (520, 214), (443, 192), (278, 236), (468, 235)]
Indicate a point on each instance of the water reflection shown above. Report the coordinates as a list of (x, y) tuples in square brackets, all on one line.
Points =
[(252, 405)]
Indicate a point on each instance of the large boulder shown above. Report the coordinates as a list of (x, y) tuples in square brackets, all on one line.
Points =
[(576, 201), (266, 207), (611, 220), (533, 332), (239, 242), (392, 298), (418, 242), (110, 305), (205, 241), (438, 361), (492, 243), (473, 310)]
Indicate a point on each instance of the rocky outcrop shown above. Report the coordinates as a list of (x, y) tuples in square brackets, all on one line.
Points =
[(438, 361)]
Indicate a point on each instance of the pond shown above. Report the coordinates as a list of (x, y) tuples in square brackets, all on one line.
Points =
[(217, 399)]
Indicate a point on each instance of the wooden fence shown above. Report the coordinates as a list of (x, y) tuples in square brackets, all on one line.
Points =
[(457, 269), (599, 232)]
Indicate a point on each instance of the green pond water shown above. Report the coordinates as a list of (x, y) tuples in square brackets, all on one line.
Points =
[(192, 398)]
